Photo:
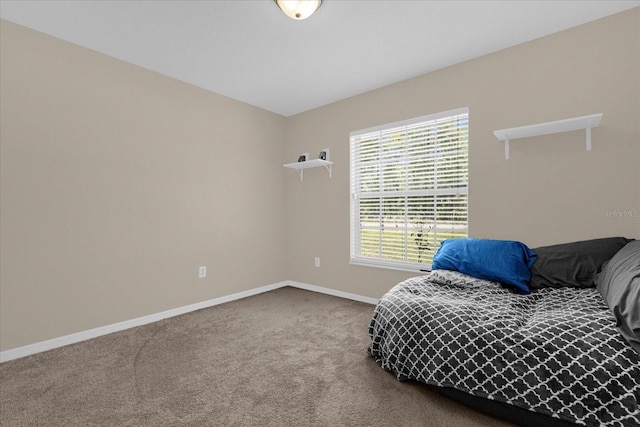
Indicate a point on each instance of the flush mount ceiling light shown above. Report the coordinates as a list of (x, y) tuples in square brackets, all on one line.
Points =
[(298, 9)]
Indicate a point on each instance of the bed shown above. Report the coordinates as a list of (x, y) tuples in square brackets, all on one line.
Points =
[(564, 349)]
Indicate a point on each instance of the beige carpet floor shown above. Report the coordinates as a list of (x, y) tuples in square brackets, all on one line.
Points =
[(288, 357)]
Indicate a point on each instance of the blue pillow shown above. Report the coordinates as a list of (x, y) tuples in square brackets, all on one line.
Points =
[(503, 261)]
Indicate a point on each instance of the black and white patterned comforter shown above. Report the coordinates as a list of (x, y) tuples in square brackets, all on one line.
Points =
[(554, 351)]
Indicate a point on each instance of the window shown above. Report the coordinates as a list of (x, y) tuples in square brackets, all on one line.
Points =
[(409, 188)]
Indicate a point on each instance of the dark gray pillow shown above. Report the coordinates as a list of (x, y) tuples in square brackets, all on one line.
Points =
[(572, 264), (619, 285)]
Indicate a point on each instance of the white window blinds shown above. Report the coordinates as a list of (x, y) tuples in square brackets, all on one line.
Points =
[(409, 187)]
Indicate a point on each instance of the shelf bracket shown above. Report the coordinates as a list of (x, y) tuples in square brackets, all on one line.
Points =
[(506, 148), (588, 139), (328, 168)]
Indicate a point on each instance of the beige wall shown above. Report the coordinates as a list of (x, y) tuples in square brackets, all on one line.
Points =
[(551, 190), (117, 183)]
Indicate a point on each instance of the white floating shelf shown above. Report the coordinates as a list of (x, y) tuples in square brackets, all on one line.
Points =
[(314, 163), (566, 125)]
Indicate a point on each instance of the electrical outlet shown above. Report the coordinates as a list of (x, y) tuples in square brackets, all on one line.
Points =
[(317, 261), (202, 272)]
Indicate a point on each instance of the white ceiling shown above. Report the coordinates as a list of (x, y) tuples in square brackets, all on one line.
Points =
[(252, 52)]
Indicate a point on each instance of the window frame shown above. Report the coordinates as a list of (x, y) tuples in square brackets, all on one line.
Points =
[(356, 195)]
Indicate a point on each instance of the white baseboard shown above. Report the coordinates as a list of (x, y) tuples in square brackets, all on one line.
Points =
[(38, 347), (27, 350), (333, 292)]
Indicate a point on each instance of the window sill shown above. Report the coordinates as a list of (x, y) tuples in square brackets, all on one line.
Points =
[(367, 263)]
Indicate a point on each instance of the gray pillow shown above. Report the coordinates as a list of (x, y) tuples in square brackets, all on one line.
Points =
[(572, 264), (619, 285)]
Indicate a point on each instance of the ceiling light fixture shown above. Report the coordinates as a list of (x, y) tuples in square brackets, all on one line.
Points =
[(298, 9)]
